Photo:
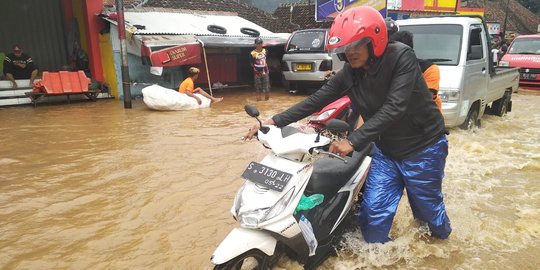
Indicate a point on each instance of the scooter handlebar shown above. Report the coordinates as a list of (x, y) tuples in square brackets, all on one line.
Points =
[(318, 151)]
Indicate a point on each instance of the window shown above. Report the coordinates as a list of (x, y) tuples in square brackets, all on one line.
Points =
[(307, 41), (525, 46), (475, 50), (439, 43)]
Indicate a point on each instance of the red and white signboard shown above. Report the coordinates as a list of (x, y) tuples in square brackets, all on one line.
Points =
[(166, 52)]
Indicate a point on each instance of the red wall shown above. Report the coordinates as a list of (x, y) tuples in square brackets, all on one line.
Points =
[(223, 68), (95, 24)]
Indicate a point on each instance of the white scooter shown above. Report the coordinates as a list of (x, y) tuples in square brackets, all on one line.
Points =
[(292, 201)]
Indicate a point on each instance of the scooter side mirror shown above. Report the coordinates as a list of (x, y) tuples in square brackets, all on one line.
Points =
[(251, 110), (336, 125)]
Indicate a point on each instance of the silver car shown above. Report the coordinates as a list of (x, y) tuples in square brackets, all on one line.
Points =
[(306, 63)]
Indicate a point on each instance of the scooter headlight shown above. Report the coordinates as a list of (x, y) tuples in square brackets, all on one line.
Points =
[(237, 201), (322, 116), (280, 205), (252, 218)]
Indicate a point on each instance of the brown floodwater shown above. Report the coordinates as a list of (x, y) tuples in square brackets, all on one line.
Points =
[(92, 185)]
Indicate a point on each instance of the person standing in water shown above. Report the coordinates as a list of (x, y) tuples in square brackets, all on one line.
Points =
[(260, 70)]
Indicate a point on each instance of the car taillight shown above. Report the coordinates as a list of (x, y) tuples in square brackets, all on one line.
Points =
[(284, 66), (325, 65)]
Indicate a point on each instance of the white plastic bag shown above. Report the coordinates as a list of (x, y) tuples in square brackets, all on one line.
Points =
[(156, 70), (164, 99), (307, 231)]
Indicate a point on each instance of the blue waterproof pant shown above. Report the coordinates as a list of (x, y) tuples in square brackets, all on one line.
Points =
[(421, 175)]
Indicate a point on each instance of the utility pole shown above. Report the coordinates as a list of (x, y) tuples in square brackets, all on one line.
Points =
[(123, 51), (505, 18)]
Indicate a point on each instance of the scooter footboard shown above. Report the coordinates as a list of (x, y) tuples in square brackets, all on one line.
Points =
[(240, 240)]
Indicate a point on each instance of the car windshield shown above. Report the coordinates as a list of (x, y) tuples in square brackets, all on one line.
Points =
[(307, 41), (525, 46), (440, 44)]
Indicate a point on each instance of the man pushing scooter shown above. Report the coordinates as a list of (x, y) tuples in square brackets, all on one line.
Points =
[(384, 82)]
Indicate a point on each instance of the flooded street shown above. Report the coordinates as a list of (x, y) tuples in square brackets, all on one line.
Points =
[(92, 185)]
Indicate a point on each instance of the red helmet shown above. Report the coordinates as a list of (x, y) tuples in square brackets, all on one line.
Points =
[(358, 24)]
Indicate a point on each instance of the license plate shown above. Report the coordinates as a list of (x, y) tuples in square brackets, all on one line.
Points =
[(303, 67), (266, 176), (527, 76)]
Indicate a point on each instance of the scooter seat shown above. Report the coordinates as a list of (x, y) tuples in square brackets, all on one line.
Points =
[(330, 174)]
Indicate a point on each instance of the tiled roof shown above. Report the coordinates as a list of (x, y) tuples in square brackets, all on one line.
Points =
[(126, 3), (300, 15), (519, 20)]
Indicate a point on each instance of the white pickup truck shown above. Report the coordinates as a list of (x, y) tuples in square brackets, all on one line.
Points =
[(470, 85)]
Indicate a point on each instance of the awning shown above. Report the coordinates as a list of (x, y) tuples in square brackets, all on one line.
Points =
[(168, 51)]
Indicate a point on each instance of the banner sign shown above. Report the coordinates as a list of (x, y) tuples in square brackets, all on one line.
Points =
[(327, 10), (494, 28), (162, 51)]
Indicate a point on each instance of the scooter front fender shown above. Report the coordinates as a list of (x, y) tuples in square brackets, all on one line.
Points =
[(240, 240)]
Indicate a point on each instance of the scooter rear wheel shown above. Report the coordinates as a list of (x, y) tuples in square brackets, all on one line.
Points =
[(253, 260)]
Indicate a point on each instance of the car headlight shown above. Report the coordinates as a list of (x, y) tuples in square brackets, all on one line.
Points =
[(322, 116), (504, 63), (449, 95)]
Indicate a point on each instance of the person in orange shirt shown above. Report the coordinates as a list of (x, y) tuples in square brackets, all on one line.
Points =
[(430, 71), (432, 77), (188, 87)]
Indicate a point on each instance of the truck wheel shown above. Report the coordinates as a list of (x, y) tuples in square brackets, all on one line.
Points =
[(472, 119), (252, 259), (500, 106)]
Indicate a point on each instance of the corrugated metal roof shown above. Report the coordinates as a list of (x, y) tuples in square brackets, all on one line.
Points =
[(159, 23), (183, 23), (39, 28)]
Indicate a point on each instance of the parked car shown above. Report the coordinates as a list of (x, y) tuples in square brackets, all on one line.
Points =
[(524, 52), (306, 62), (470, 84)]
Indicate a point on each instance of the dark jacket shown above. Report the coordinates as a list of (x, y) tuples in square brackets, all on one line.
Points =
[(392, 97)]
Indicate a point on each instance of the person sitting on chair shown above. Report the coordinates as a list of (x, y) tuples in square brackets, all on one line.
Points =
[(188, 87), (19, 66)]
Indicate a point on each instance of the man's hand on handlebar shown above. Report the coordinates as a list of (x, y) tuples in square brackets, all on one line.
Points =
[(341, 148), (253, 130)]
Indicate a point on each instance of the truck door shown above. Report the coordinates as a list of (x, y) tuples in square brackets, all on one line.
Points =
[(476, 71)]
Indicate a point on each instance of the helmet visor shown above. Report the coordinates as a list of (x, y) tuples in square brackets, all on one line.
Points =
[(351, 46)]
